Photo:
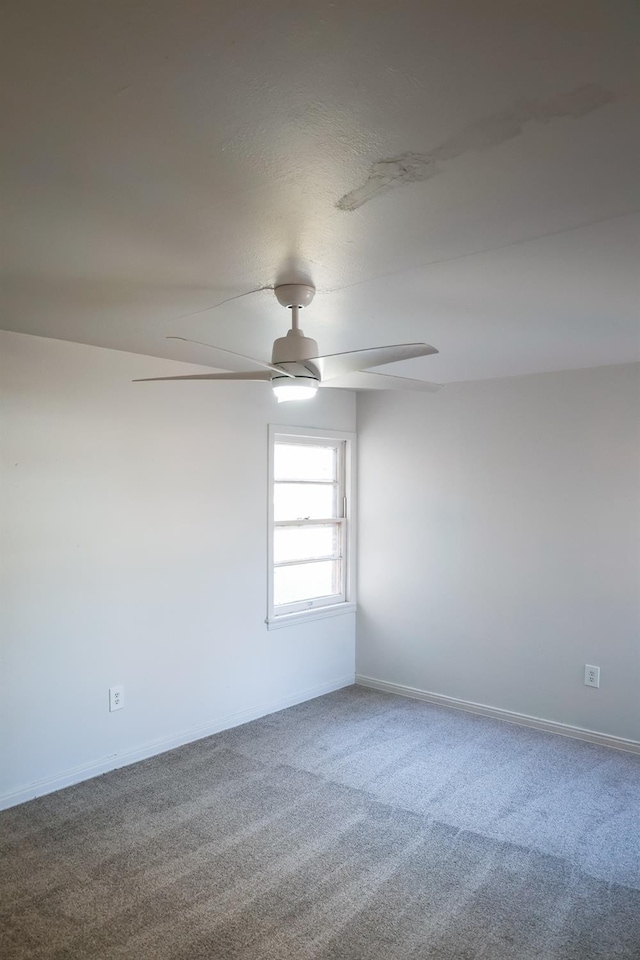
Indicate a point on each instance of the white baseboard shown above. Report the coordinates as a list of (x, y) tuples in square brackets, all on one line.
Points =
[(151, 749), (496, 713)]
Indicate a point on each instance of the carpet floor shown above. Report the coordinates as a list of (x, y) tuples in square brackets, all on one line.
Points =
[(356, 826)]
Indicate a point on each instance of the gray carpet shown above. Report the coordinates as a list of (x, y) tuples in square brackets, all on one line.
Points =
[(358, 825)]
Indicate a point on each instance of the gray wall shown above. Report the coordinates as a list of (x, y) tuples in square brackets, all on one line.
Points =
[(499, 544), (134, 550)]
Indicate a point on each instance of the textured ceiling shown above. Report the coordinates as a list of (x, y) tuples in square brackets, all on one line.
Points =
[(452, 171)]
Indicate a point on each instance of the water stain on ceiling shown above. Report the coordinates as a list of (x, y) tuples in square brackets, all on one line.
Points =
[(482, 135)]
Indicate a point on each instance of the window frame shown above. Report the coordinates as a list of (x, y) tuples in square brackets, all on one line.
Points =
[(336, 604)]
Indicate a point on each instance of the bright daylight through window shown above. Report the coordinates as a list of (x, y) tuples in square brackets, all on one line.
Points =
[(310, 527)]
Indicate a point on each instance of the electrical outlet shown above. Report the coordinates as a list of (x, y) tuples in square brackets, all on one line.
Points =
[(591, 675), (116, 698)]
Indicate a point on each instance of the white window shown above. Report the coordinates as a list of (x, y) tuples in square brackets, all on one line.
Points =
[(311, 531)]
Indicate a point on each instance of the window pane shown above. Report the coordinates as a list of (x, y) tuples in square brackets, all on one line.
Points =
[(304, 501), (306, 581), (295, 461), (303, 543)]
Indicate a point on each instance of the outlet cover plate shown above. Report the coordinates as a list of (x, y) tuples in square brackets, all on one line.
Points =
[(591, 675), (116, 698)]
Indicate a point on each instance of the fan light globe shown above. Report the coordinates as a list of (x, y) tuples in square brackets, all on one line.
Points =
[(293, 389)]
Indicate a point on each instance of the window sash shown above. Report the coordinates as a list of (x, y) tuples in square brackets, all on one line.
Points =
[(336, 556), (332, 576), (333, 549), (331, 444), (329, 500)]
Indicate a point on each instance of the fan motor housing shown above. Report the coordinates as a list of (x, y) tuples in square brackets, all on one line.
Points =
[(294, 348)]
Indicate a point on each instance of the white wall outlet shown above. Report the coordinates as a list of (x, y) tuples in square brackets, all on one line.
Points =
[(591, 675), (116, 698)]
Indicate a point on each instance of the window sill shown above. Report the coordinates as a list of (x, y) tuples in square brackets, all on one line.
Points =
[(317, 613)]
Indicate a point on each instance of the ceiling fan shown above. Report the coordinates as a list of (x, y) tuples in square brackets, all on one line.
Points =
[(297, 369)]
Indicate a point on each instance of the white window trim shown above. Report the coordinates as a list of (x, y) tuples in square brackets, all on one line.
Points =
[(310, 611)]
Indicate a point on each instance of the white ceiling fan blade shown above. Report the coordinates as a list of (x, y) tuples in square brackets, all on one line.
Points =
[(340, 364), (241, 375), (231, 353), (380, 381)]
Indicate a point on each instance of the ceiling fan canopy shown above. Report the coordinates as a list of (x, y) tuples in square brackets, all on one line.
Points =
[(297, 368)]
